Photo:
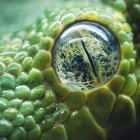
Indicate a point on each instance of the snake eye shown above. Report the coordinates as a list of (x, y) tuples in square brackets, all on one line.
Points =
[(85, 56)]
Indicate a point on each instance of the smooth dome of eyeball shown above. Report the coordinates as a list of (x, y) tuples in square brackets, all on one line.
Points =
[(86, 56)]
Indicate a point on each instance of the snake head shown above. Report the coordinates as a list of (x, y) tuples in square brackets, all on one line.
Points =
[(72, 75)]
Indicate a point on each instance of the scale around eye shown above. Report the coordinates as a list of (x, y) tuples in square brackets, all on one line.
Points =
[(86, 56)]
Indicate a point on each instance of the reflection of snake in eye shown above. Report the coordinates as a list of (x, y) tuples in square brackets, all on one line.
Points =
[(74, 75)]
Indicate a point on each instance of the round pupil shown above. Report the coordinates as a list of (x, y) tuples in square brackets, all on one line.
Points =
[(85, 56)]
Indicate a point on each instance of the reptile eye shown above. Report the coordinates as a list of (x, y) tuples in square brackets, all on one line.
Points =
[(86, 56)]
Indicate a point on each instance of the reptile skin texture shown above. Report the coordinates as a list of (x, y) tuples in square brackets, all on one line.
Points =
[(35, 104)]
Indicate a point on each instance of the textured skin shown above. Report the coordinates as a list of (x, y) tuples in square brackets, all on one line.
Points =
[(35, 105)]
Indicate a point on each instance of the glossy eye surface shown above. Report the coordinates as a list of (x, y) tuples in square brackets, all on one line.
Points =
[(86, 56)]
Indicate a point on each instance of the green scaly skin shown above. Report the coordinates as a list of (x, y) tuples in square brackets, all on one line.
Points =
[(35, 105)]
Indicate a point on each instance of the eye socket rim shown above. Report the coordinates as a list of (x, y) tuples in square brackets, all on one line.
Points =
[(93, 15)]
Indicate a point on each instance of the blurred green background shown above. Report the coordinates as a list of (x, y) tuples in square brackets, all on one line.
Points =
[(17, 14)]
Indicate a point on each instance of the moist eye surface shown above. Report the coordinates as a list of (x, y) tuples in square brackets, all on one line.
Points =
[(86, 56)]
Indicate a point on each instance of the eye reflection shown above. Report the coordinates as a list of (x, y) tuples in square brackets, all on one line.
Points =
[(86, 56)]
